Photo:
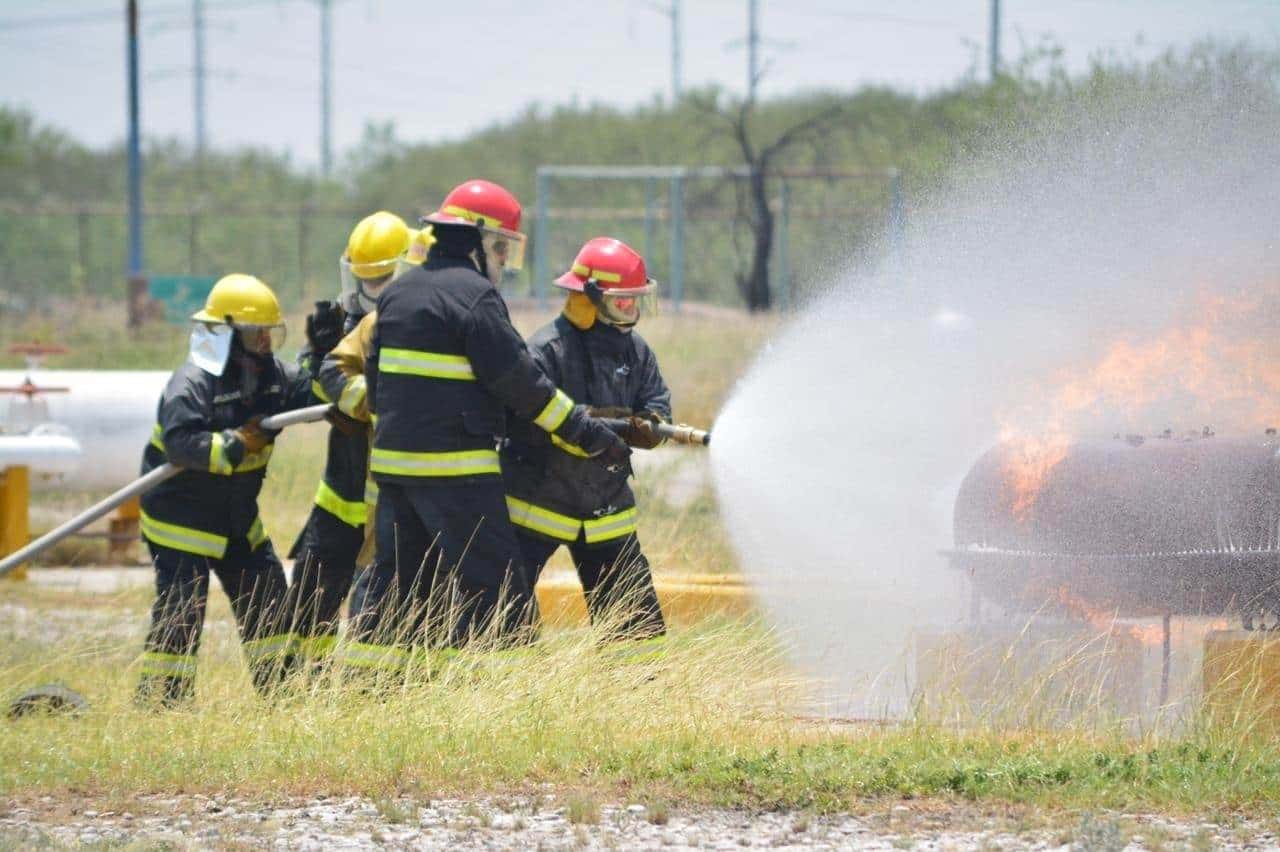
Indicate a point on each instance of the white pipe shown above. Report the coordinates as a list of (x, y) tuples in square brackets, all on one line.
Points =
[(110, 414), (141, 485), (47, 453)]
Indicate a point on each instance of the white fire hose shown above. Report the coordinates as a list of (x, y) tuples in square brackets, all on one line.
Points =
[(140, 486)]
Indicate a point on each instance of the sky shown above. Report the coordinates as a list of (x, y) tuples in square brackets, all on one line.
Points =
[(441, 70)]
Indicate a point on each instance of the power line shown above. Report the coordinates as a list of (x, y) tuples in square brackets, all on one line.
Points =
[(113, 17)]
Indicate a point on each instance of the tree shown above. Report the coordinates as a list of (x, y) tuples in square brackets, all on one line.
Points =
[(739, 122)]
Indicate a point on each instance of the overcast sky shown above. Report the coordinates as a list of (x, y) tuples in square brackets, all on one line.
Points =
[(440, 70)]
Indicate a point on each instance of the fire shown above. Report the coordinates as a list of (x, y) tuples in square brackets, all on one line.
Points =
[(1028, 462), (1104, 621), (1219, 366)]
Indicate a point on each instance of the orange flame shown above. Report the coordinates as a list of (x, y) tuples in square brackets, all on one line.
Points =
[(1220, 365), (1104, 620)]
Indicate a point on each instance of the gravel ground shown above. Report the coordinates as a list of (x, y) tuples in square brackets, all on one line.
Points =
[(548, 822)]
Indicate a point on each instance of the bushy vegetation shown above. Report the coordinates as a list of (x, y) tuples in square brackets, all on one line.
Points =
[(257, 211)]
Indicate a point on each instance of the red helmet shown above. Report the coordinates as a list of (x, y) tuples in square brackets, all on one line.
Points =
[(492, 209), (616, 267), (482, 203)]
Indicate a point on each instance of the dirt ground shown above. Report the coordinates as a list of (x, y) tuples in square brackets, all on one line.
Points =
[(549, 821)]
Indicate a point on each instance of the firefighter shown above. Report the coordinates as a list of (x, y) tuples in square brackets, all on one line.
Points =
[(444, 364), (206, 518), (555, 496), (326, 551)]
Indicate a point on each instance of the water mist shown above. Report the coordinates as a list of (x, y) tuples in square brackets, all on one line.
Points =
[(838, 456)]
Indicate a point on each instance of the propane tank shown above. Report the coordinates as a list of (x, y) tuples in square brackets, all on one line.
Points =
[(108, 414)]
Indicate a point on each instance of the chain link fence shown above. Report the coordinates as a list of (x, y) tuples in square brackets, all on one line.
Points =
[(688, 223)]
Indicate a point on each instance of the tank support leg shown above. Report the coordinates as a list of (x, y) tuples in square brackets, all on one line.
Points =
[(1165, 653)]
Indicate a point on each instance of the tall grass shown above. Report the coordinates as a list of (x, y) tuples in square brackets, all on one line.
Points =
[(711, 719)]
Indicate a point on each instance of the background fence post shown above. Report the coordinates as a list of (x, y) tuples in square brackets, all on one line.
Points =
[(897, 219), (304, 214), (783, 243), (650, 200), (193, 241), (82, 250), (541, 237), (677, 238)]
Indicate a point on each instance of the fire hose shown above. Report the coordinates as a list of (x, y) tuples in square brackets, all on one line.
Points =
[(676, 433), (138, 487)]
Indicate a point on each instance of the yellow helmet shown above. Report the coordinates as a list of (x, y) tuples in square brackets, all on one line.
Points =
[(239, 299), (376, 245)]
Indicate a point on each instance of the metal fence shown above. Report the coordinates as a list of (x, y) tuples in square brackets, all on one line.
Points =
[(686, 222)]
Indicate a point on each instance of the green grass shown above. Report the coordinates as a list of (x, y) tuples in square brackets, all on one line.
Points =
[(711, 722)]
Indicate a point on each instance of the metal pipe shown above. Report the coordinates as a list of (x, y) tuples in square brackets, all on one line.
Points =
[(677, 433), (138, 487)]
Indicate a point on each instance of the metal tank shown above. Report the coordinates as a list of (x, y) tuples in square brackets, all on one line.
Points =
[(1163, 526), (108, 413)]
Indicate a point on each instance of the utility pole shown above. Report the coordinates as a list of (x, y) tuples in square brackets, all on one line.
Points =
[(995, 39), (671, 12), (326, 86), (198, 75), (753, 47), (675, 51), (137, 284)]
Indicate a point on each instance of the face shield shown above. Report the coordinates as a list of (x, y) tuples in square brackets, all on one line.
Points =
[(360, 294), (260, 339), (503, 246), (623, 308)]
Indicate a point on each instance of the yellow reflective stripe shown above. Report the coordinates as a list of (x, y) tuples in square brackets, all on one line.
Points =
[(369, 656), (648, 650), (317, 646), (600, 275), (352, 396), (370, 492), (317, 390), (610, 526), (217, 461), (464, 463), (347, 511), (257, 535), (435, 365), (168, 665), (186, 539), (555, 411), (571, 449), (543, 520), (217, 454), (279, 645)]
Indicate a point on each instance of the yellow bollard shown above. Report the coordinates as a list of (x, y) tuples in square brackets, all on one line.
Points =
[(1241, 672), (15, 531), (684, 598)]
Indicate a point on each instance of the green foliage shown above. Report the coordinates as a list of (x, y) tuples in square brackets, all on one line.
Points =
[(257, 211)]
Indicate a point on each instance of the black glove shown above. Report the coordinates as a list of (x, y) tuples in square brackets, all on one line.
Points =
[(324, 328), (600, 442)]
